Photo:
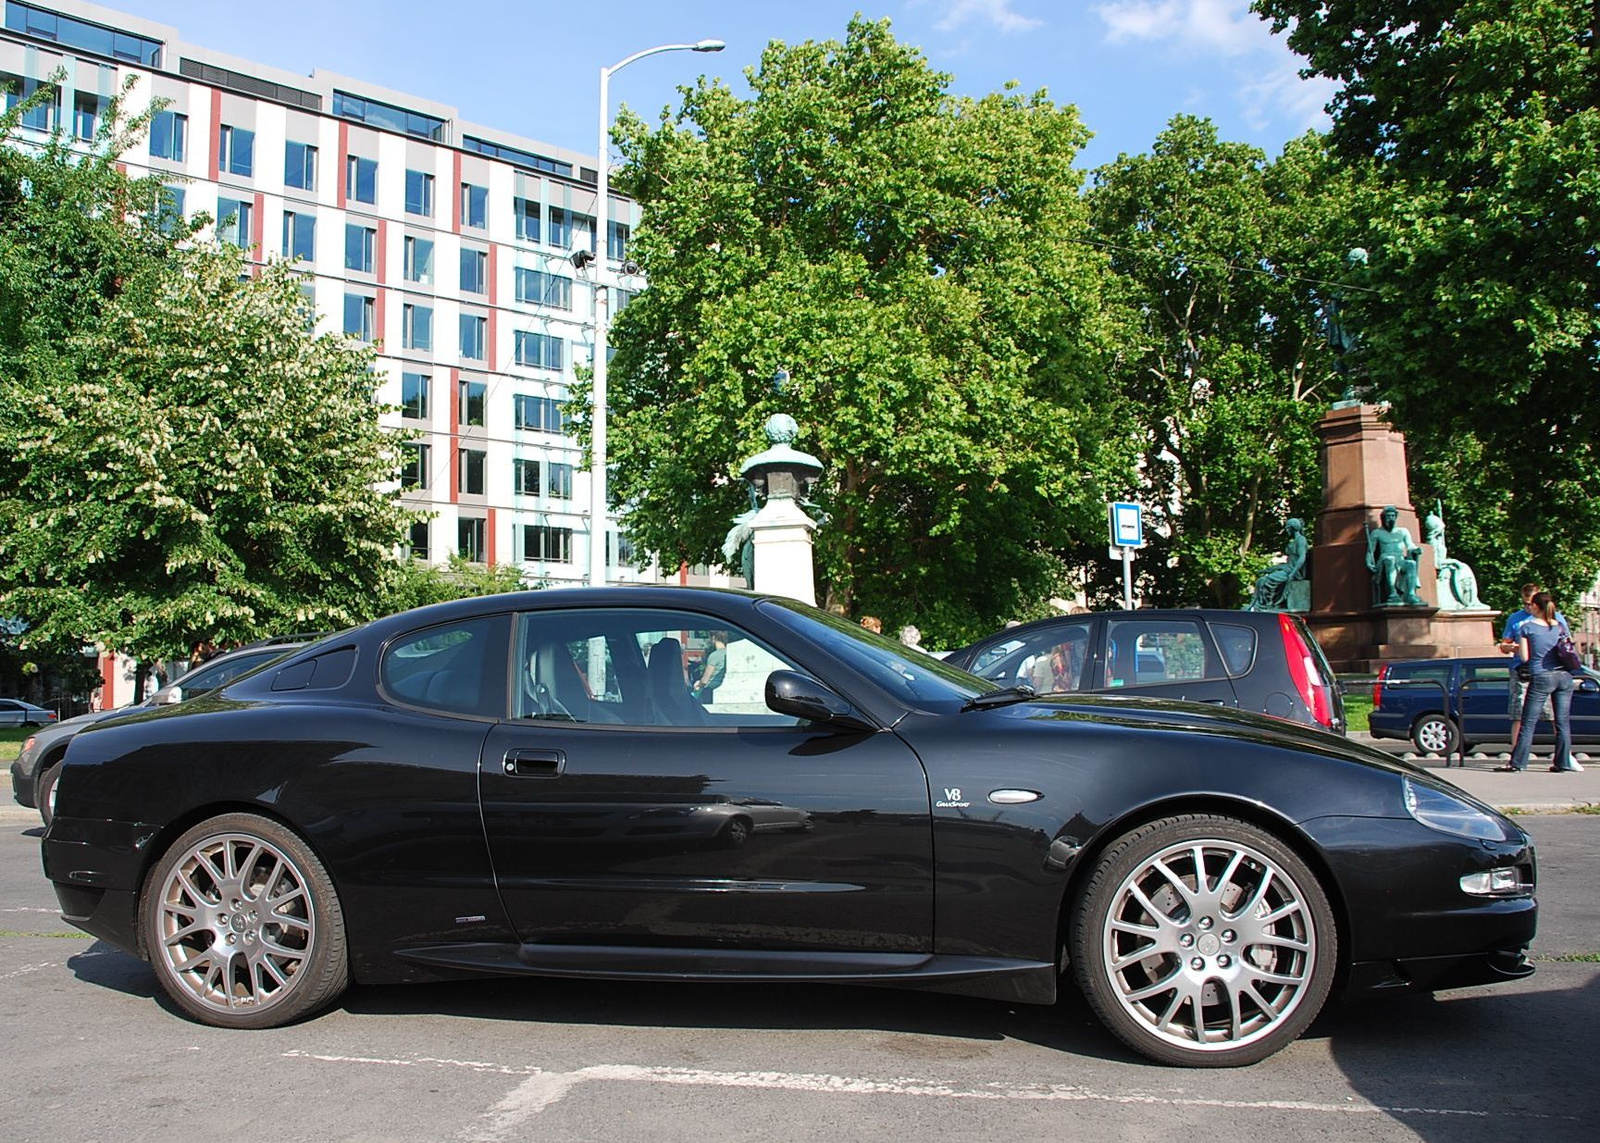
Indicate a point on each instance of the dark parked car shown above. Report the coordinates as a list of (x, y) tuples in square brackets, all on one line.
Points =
[(38, 764), (1409, 701), (15, 712), (1263, 661), (470, 789)]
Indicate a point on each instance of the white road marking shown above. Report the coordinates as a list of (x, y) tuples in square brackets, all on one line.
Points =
[(27, 968), (22, 909), (540, 1089)]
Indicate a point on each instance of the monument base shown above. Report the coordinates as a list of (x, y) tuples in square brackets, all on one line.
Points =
[(1360, 642)]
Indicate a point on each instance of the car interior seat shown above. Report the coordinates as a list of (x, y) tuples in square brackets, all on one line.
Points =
[(670, 701)]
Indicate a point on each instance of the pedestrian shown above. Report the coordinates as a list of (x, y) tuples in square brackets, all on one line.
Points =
[(912, 638), (714, 669), (872, 623), (1548, 679), (1517, 688)]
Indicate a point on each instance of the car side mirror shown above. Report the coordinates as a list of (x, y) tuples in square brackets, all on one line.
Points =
[(166, 696), (792, 693)]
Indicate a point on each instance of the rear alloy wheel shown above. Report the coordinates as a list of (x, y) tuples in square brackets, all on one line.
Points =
[(1204, 941), (45, 797), (1434, 734), (242, 925)]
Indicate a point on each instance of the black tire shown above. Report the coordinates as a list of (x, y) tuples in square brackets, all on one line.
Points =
[(1213, 984), (1435, 734), (735, 833), (221, 952), (45, 795)]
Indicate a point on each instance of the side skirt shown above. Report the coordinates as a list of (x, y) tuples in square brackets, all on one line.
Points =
[(1023, 981)]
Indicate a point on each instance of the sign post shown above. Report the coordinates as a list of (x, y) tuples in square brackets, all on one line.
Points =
[(1127, 534)]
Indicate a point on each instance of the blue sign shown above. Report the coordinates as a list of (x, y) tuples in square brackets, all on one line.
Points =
[(1127, 526)]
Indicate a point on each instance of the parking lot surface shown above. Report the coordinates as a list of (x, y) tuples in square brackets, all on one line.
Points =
[(93, 1053)]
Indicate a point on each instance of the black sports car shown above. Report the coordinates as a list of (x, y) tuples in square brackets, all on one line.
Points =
[(523, 784)]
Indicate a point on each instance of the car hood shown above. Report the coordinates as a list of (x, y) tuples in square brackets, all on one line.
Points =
[(1204, 718)]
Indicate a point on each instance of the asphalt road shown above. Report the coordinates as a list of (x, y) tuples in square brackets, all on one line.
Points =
[(91, 1053)]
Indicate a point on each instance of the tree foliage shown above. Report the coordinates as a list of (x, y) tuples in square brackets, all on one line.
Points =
[(916, 263), (182, 459), (1473, 127), (1223, 358)]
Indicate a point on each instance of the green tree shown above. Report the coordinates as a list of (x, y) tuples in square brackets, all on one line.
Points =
[(916, 263), (418, 584), (182, 459), (1223, 363), (1474, 129)]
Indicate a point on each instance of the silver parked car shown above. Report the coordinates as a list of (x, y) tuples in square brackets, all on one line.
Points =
[(15, 712)]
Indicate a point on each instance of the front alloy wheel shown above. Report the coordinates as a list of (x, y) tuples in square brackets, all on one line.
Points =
[(242, 925), (1204, 941)]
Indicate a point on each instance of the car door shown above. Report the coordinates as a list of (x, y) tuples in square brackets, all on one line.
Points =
[(1586, 706), (11, 713), (1164, 656), (1483, 695), (622, 811)]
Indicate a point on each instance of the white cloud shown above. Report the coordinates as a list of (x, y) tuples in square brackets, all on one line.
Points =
[(996, 12), (1278, 94), (1225, 26)]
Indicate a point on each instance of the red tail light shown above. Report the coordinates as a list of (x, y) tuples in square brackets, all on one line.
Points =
[(1377, 687), (1303, 670)]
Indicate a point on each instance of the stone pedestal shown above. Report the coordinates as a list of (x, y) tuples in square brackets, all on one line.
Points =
[(783, 558), (1363, 470)]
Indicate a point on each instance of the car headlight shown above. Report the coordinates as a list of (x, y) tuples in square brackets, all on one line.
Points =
[(1448, 814)]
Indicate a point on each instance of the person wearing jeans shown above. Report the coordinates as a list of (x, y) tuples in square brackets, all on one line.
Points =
[(1547, 678)]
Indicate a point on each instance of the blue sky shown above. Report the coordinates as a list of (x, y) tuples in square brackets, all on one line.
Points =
[(532, 67)]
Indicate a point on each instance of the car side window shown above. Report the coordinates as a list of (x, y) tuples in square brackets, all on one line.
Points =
[(455, 668), (1141, 652), (1238, 646), (641, 667)]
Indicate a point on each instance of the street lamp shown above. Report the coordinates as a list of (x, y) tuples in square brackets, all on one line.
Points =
[(597, 423)]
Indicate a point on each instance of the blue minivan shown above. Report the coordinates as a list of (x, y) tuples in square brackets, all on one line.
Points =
[(1409, 700)]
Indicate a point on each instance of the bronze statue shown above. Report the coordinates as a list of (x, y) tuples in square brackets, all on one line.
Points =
[(1392, 560), (1458, 585), (1272, 588)]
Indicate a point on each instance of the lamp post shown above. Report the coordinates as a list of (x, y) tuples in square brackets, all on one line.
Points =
[(597, 424)]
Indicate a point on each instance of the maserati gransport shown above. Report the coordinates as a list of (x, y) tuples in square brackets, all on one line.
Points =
[(668, 784)]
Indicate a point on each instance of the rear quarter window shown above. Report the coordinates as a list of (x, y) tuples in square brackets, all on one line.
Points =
[(1237, 645)]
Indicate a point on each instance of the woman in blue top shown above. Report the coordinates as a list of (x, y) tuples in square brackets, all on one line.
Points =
[(1537, 647)]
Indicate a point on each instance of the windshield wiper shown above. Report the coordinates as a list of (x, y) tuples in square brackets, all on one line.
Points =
[(1005, 696)]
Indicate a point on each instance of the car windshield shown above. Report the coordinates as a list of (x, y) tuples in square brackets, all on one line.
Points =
[(913, 676)]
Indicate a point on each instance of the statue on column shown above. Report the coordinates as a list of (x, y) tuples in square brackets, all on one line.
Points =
[(1392, 560), (1458, 585), (1272, 588)]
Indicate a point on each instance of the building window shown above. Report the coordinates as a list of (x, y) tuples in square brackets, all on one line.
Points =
[(619, 302), (414, 395), (617, 240), (619, 550), (359, 244), (473, 330), (75, 33), (236, 151), (388, 116), (474, 272), (526, 211), (558, 481), (419, 193), (419, 540), (361, 179), (541, 542), (470, 538), (540, 414), (299, 236), (358, 316), (43, 116), (474, 395), (539, 350), (414, 470), (169, 136), (168, 211), (544, 289), (472, 463), (474, 206), (86, 112), (233, 222), (568, 229), (300, 166), (526, 475), (416, 328), (419, 260)]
